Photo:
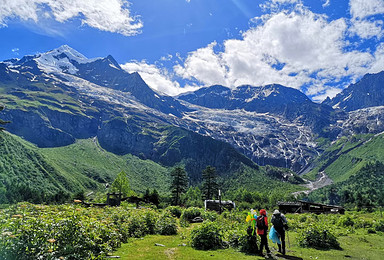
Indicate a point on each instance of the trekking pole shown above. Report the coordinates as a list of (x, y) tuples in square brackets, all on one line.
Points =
[(289, 243)]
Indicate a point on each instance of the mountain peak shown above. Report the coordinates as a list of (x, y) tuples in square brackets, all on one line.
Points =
[(62, 59)]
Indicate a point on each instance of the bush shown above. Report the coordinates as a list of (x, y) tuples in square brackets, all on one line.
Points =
[(379, 226), (247, 242), (166, 225), (175, 210), (190, 213), (319, 237), (346, 221), (209, 215), (207, 236)]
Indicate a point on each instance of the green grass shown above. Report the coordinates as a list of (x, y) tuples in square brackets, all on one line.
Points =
[(356, 243), (87, 158), (347, 156), (354, 246)]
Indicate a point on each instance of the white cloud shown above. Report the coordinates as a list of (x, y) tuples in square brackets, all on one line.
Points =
[(295, 49), (105, 15), (203, 65), (378, 64), (364, 8), (158, 79), (326, 3), (367, 29), (363, 25)]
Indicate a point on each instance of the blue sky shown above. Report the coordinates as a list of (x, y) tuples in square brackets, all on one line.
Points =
[(317, 46)]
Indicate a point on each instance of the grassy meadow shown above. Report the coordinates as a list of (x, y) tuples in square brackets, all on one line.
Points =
[(71, 231)]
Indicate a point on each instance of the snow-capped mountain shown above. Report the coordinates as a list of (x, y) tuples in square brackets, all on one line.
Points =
[(64, 62), (59, 96)]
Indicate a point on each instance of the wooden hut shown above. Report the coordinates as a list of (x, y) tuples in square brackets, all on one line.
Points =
[(219, 205), (302, 206)]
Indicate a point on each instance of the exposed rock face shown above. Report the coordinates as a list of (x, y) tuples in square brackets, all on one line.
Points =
[(37, 129), (274, 99), (169, 145), (57, 97), (368, 92)]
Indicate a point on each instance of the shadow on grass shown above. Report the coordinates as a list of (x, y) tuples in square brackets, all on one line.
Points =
[(289, 257)]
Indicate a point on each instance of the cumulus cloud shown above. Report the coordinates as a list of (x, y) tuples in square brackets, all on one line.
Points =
[(203, 65), (363, 25), (367, 29), (296, 49), (105, 15), (158, 79), (364, 8)]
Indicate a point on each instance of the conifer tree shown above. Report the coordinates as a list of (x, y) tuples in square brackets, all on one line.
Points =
[(210, 185), (179, 184), (154, 197), (2, 122)]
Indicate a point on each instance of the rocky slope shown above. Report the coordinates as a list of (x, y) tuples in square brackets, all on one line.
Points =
[(368, 92), (57, 97)]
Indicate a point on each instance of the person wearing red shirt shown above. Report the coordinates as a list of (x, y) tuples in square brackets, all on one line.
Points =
[(262, 230)]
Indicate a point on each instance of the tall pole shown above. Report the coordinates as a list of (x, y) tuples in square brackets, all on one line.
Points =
[(219, 201)]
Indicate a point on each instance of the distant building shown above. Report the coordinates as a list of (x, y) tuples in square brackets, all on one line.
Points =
[(309, 207), (215, 205)]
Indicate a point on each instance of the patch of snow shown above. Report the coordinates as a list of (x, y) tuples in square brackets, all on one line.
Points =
[(348, 97), (113, 66), (61, 59)]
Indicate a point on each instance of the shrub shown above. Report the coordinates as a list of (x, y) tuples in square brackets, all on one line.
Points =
[(319, 237), (209, 215), (175, 210), (247, 242), (346, 221), (207, 236), (303, 218), (166, 225), (150, 219), (379, 226), (190, 213)]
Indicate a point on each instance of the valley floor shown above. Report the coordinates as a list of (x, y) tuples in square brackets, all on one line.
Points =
[(359, 245)]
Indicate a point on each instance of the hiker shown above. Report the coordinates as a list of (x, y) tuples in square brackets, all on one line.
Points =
[(280, 224), (262, 230)]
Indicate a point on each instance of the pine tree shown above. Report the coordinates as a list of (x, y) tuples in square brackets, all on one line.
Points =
[(2, 122), (179, 184), (210, 185), (154, 197)]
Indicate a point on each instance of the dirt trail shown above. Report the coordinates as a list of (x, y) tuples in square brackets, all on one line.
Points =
[(321, 181)]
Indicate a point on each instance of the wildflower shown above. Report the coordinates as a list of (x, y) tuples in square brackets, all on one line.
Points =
[(51, 240)]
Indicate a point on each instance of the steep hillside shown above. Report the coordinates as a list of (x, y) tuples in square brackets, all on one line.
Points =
[(50, 172), (368, 92), (170, 146), (348, 155), (53, 174), (355, 164)]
